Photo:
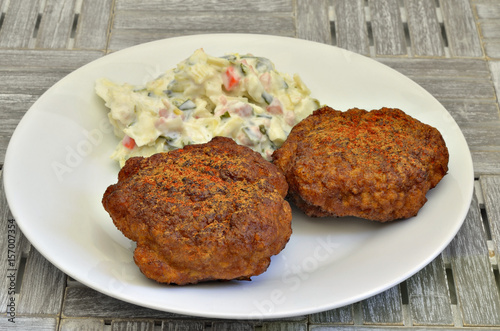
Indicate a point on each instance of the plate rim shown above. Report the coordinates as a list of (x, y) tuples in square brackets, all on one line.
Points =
[(25, 121)]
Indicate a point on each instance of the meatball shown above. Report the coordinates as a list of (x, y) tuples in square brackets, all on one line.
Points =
[(213, 211), (376, 165)]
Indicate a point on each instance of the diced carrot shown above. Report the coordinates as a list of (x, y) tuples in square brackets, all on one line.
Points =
[(230, 78), (128, 142)]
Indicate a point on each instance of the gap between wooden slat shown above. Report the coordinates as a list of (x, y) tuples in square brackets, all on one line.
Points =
[(37, 26), (486, 224), (2, 17), (443, 34), (20, 274), (451, 285), (74, 26)]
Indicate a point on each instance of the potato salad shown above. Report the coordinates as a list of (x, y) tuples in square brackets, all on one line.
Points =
[(242, 97)]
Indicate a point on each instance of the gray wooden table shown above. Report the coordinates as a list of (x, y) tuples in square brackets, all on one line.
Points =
[(450, 47)]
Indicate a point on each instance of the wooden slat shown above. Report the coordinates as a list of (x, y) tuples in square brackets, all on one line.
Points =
[(19, 23), (451, 68), (243, 22), (446, 88), (388, 32), (487, 9), (274, 6), (491, 29), (423, 25), (184, 325), (56, 24), (13, 246), (385, 308), (428, 296), (87, 324), (132, 326), (491, 192), (50, 59), (232, 326), (475, 283), (486, 162), (350, 26), (488, 14), (461, 30), (34, 82), (482, 137), (342, 315), (85, 302), (313, 22), (492, 49), (42, 287), (13, 107), (473, 112), (284, 326), (30, 323), (93, 24)]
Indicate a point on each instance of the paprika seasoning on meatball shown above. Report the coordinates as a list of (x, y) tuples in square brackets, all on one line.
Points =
[(376, 165), (212, 211)]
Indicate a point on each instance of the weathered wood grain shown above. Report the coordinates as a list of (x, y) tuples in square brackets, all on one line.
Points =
[(385, 308), (34, 82), (492, 49), (204, 21), (11, 59), (312, 21), (43, 287), (30, 323), (284, 326), (442, 68), (182, 325), (19, 23), (482, 137), (85, 302), (56, 24), (132, 326), (491, 192), (133, 27), (204, 6), (486, 162), (477, 293), (13, 246), (13, 107), (122, 38), (463, 36), (446, 88), (350, 26), (490, 29), (388, 31), (424, 29), (428, 296), (487, 9), (232, 326), (93, 24), (87, 324), (467, 112), (342, 315)]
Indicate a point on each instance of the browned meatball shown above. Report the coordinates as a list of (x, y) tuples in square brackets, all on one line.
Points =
[(213, 211), (376, 165)]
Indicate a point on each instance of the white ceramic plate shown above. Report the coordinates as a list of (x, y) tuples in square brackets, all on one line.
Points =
[(57, 167)]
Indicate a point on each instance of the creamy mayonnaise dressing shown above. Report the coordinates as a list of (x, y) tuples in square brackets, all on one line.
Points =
[(238, 96)]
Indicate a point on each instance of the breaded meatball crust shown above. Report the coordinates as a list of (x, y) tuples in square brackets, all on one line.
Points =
[(376, 165), (213, 211)]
